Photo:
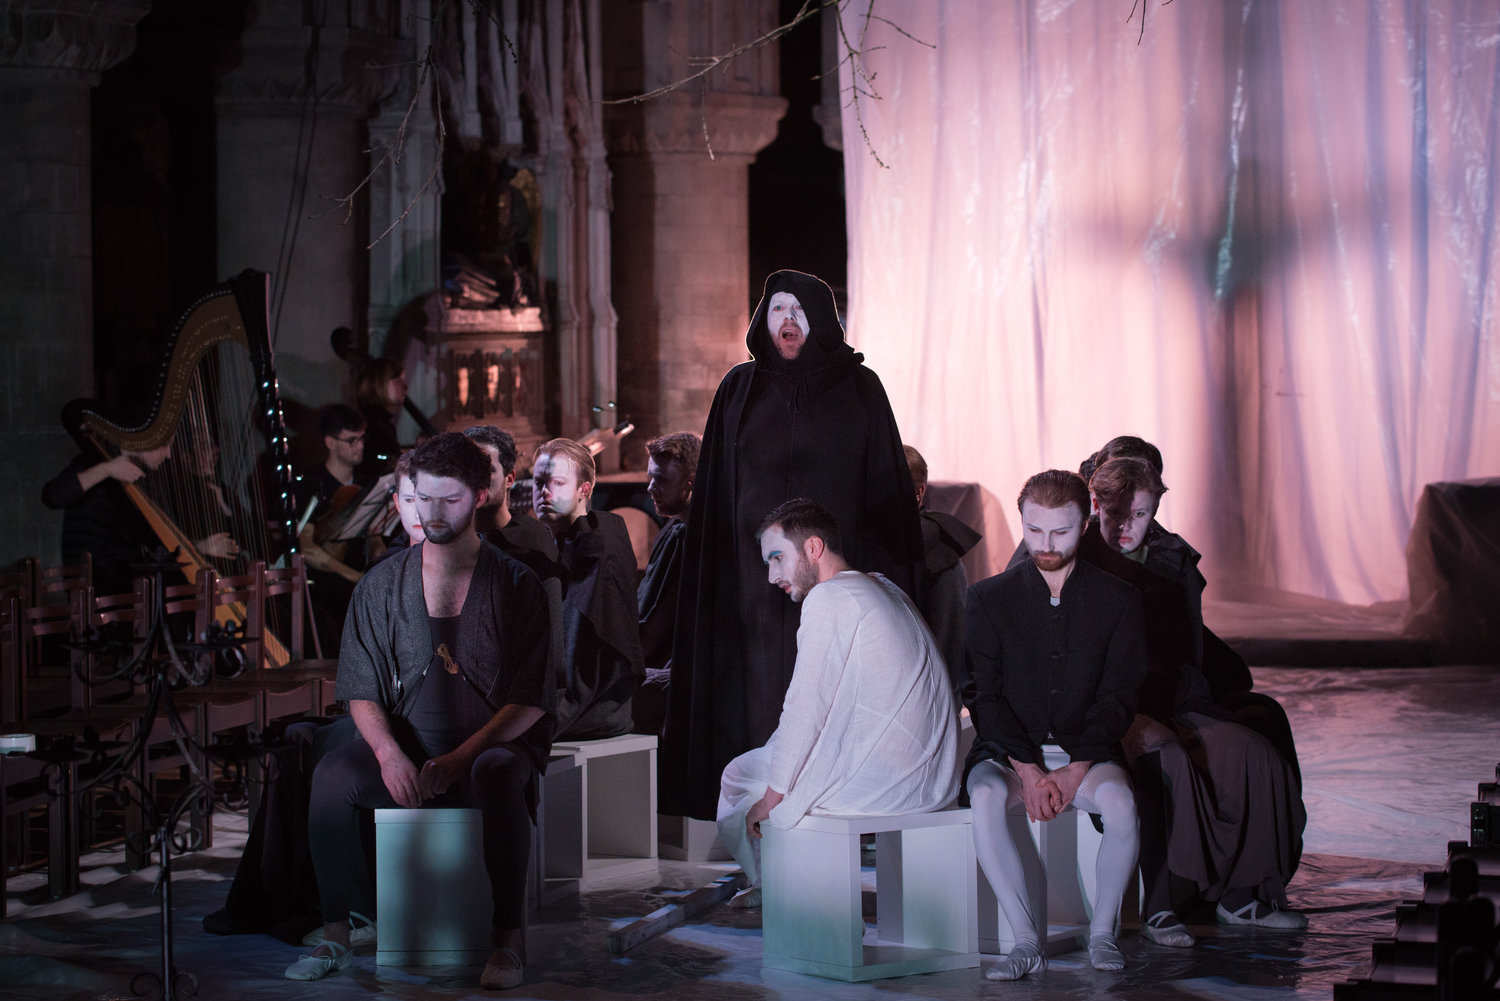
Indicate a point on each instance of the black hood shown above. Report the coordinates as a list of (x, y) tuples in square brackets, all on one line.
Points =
[(825, 339)]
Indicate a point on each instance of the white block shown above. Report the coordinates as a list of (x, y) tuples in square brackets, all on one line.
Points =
[(610, 813), (811, 914), (432, 893)]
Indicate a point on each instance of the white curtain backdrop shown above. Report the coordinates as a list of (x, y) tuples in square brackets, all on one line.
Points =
[(1262, 238)]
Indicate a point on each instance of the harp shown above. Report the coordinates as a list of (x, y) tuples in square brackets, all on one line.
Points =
[(228, 474)]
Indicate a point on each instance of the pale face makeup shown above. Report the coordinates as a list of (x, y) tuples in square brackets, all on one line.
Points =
[(786, 565), (787, 322), (1126, 534), (556, 494), (445, 506), (1052, 534), (406, 509)]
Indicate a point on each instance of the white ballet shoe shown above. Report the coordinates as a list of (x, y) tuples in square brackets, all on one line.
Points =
[(333, 958), (1104, 954), (1166, 928), (746, 899), (1024, 958), (361, 932), (1262, 915)]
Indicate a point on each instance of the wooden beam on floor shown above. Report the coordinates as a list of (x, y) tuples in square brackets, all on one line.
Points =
[(669, 916)]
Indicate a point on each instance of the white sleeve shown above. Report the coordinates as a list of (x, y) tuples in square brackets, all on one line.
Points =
[(824, 641)]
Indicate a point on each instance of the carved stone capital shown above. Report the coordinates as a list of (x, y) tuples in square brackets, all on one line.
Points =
[(81, 38), (354, 70), (736, 125)]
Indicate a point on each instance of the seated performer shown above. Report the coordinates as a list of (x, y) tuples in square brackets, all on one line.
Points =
[(527, 539), (869, 725), (1056, 654), (601, 639), (945, 540), (444, 667), (332, 569), (670, 469), (1221, 810)]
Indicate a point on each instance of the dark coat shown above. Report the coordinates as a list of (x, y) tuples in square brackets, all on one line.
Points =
[(657, 594), (602, 640), (945, 540), (820, 427), (1066, 675)]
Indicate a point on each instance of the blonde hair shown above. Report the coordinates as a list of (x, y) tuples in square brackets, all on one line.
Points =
[(567, 448)]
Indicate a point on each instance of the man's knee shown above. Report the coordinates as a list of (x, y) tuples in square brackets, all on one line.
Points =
[(1116, 804), (499, 770)]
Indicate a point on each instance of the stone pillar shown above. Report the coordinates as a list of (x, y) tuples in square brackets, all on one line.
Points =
[(291, 143), (681, 226), (51, 54)]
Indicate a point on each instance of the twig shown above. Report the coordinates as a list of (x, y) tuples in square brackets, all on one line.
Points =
[(806, 11)]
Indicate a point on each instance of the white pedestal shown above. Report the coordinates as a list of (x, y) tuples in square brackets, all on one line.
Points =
[(925, 899), (432, 894), (601, 813), (688, 839)]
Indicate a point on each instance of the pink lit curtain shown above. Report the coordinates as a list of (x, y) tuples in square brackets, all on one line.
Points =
[(1262, 236)]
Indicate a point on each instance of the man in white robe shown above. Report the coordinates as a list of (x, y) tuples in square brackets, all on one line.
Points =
[(869, 724)]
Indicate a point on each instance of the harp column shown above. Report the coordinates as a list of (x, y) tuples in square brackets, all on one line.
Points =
[(292, 140), (680, 165), (51, 55)]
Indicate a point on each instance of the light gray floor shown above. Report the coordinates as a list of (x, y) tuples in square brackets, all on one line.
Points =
[(1390, 759)]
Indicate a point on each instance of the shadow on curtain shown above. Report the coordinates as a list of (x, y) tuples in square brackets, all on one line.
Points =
[(1261, 238)]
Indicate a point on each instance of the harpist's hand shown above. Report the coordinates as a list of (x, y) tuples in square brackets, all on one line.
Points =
[(400, 778), (439, 774)]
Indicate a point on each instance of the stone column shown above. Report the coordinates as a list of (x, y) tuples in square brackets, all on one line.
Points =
[(682, 253), (291, 144), (681, 226), (51, 54)]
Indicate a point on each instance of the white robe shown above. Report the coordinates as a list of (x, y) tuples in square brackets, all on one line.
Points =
[(869, 724)]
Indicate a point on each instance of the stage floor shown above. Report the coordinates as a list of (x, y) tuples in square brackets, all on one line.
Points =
[(1390, 761)]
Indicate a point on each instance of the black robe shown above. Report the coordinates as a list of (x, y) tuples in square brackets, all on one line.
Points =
[(820, 427), (601, 638), (657, 597), (945, 540)]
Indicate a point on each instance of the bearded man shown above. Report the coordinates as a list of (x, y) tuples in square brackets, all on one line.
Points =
[(803, 418), (444, 666), (1056, 652), (870, 725)]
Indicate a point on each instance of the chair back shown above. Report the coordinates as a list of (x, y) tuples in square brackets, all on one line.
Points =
[(65, 579), (241, 598), (20, 580), (132, 609), (291, 581), (12, 669)]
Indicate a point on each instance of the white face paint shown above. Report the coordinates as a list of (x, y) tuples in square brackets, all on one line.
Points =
[(787, 323)]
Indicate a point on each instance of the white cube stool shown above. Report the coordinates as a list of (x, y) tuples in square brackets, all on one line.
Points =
[(1060, 878), (432, 893), (926, 920), (601, 812)]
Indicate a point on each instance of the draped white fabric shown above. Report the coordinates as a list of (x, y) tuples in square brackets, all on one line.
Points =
[(1262, 238)]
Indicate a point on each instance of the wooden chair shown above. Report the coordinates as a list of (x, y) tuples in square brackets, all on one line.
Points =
[(20, 580), (318, 673), (66, 578), (131, 613)]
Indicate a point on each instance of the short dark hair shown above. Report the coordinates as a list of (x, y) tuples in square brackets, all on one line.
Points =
[(1125, 446), (680, 447), (1115, 484), (917, 465), (1056, 488), (336, 418), (451, 454), (497, 438), (800, 519)]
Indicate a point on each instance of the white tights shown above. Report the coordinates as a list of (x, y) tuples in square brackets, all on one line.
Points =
[(994, 789)]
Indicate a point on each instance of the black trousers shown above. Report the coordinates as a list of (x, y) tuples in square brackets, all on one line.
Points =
[(347, 781)]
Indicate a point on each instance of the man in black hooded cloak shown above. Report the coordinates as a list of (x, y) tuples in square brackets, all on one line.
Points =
[(803, 418)]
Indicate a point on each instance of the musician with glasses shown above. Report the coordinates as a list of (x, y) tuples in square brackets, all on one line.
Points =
[(99, 518), (444, 666), (333, 569)]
